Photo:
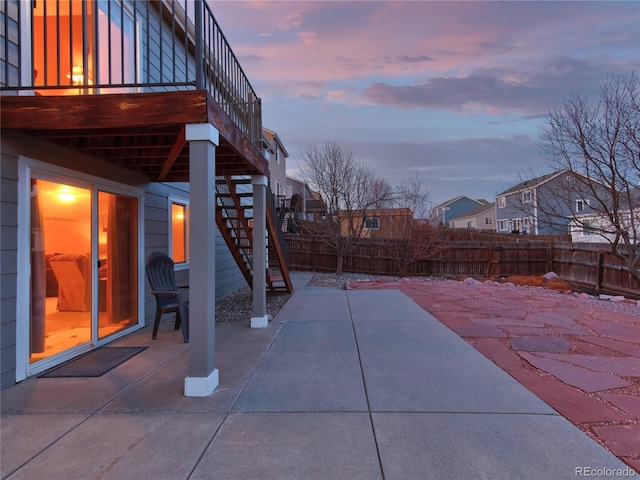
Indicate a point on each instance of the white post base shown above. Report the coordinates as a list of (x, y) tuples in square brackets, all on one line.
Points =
[(259, 322), (201, 386)]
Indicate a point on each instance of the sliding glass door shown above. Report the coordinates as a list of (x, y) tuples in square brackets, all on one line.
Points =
[(118, 262), (84, 266), (60, 255)]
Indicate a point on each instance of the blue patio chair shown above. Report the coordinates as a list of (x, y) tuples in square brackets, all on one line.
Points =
[(161, 277)]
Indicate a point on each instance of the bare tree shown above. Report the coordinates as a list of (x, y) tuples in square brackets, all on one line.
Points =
[(599, 142), (351, 192), (413, 237)]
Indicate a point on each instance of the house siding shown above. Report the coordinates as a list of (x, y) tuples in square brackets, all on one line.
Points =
[(445, 212), (156, 228), (544, 195), (512, 210), (544, 199), (476, 222), (8, 266)]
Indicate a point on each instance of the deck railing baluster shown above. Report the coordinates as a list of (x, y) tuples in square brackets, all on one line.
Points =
[(209, 61)]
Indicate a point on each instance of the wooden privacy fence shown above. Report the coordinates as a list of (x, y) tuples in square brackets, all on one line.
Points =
[(593, 266), (587, 265)]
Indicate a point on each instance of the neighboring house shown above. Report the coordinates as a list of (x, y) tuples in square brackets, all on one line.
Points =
[(117, 141), (483, 217), (595, 228), (303, 204), (378, 223), (276, 154), (441, 214), (543, 205)]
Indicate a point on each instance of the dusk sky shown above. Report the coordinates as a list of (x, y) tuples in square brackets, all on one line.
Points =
[(456, 92)]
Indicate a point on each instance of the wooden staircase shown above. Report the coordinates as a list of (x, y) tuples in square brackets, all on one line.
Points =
[(234, 218)]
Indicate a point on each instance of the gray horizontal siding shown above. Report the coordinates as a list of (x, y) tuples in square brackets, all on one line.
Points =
[(9, 266)]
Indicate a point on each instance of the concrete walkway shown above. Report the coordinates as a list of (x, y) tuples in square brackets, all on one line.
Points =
[(574, 353), (340, 385)]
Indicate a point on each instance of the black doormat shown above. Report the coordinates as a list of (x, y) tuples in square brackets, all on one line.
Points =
[(95, 363)]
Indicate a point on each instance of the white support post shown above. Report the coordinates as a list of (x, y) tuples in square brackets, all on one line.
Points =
[(260, 318), (203, 376)]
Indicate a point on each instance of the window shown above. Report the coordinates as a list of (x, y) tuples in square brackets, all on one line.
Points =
[(469, 224), (371, 223), (179, 230), (589, 227), (503, 225), (488, 221), (502, 202), (581, 205), (526, 196)]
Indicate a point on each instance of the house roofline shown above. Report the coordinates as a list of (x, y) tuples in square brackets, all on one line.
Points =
[(449, 202), (541, 180), (277, 139), (476, 211)]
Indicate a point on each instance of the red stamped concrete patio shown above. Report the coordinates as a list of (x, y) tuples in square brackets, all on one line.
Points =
[(577, 355)]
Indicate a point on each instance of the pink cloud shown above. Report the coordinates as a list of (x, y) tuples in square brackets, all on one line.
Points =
[(407, 47)]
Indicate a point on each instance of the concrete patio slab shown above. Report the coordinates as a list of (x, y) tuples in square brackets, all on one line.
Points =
[(25, 436), (299, 280), (314, 312), (316, 304), (238, 351), (389, 305), (87, 395), (456, 446), (312, 366), (126, 447), (277, 446), (320, 295), (412, 367), (293, 403)]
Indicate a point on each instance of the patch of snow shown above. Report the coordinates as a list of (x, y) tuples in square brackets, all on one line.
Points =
[(549, 276)]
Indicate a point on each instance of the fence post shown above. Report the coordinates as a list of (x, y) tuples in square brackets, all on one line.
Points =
[(599, 269), (495, 260)]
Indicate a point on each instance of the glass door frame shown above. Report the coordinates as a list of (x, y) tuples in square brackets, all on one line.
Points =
[(29, 168)]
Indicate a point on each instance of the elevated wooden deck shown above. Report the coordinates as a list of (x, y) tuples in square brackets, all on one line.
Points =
[(143, 132), (140, 131)]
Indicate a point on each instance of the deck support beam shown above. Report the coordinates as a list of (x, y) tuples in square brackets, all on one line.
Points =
[(260, 318), (203, 376)]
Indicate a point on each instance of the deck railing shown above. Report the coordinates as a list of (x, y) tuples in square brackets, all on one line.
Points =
[(70, 47)]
